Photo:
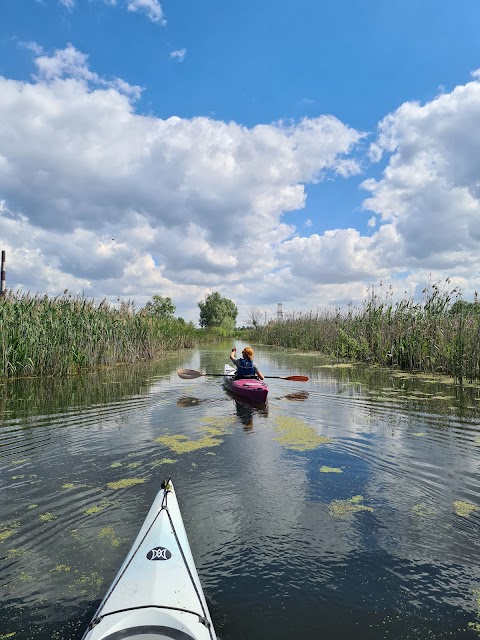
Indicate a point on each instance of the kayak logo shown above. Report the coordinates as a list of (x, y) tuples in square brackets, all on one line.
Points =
[(159, 553)]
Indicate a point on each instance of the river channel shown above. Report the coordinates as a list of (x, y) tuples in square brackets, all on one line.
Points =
[(346, 507)]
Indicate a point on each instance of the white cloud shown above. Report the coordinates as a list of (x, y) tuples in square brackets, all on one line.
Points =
[(98, 199), (178, 55), (71, 63), (193, 205), (151, 8), (430, 188)]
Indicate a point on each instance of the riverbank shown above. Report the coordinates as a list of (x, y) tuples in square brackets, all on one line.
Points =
[(58, 336), (431, 336)]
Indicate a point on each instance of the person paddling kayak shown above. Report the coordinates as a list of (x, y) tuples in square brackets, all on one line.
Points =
[(246, 368)]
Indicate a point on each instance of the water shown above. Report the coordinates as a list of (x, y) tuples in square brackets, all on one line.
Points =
[(347, 507)]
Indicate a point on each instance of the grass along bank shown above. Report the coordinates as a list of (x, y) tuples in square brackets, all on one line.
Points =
[(54, 336), (433, 335)]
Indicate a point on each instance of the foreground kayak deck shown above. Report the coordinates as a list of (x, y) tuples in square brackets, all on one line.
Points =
[(251, 388), (157, 594)]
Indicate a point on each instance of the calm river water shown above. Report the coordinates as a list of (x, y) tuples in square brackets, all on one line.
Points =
[(348, 507)]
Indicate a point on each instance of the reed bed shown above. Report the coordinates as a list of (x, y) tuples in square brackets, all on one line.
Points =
[(56, 336), (433, 335)]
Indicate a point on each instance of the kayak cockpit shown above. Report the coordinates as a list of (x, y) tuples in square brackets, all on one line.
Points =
[(150, 632)]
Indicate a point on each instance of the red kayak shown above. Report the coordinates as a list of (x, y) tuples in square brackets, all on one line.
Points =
[(251, 388)]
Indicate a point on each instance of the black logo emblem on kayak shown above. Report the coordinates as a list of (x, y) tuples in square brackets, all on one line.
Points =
[(159, 553)]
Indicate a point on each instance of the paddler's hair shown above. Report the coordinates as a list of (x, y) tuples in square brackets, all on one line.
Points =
[(248, 353)]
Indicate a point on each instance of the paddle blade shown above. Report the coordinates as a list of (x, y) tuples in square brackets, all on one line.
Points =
[(296, 378), (189, 374)]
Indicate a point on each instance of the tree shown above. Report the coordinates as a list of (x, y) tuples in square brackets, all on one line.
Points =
[(254, 317), (160, 307), (216, 311)]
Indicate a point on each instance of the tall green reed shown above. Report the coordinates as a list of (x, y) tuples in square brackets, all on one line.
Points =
[(56, 336), (438, 334)]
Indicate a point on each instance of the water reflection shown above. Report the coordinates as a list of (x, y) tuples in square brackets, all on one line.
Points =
[(368, 529)]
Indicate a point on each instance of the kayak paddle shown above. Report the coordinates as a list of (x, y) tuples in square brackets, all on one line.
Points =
[(191, 374)]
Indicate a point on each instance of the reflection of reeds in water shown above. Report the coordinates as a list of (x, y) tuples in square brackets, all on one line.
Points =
[(42, 335), (435, 335)]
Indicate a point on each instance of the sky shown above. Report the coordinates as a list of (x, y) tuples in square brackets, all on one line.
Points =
[(296, 152)]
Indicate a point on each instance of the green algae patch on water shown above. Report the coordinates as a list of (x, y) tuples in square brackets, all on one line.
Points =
[(297, 435), (216, 427), (32, 506), (7, 530), (330, 470), (343, 509), (60, 568), (108, 534), (423, 510), (96, 508), (133, 465), (46, 517), (5, 636), (114, 465), (181, 444), (87, 584), (464, 509), (159, 463), (125, 483), (12, 554), (71, 485)]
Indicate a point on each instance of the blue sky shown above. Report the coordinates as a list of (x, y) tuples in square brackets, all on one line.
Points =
[(275, 152)]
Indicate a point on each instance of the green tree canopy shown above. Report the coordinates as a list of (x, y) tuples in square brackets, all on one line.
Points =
[(216, 311), (160, 307)]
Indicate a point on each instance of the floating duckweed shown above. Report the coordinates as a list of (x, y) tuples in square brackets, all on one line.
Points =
[(60, 568), (14, 553), (15, 462), (90, 582), (133, 465), (8, 530), (108, 533), (18, 477), (46, 517), (97, 507), (464, 509), (71, 485), (423, 510), (419, 434), (32, 506), (158, 463), (25, 577), (181, 444), (330, 470), (114, 465), (297, 435), (217, 426), (344, 508), (472, 625), (4, 636), (125, 483)]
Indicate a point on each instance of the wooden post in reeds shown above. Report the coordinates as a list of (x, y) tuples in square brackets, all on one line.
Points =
[(2, 283)]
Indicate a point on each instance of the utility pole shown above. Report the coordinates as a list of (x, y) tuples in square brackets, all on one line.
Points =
[(2, 283)]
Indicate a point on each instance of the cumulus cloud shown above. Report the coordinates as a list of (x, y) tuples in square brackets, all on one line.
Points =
[(178, 55), (193, 205), (71, 63), (99, 199), (430, 189), (151, 8)]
